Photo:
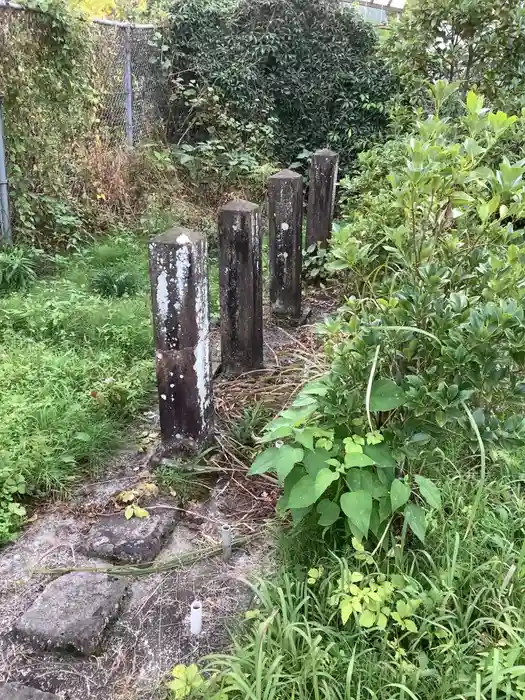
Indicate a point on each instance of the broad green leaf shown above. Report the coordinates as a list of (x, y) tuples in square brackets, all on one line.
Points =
[(370, 482), (358, 459), (386, 395), (385, 509), (399, 494), (474, 102), (415, 518), (323, 480), (328, 511), (305, 437), (303, 493), (357, 506), (290, 481), (367, 619), (315, 461), (299, 514), (381, 455), (354, 479), (346, 609), (279, 459), (429, 491)]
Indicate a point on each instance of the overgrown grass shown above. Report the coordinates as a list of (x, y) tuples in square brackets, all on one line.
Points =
[(469, 640), (76, 365)]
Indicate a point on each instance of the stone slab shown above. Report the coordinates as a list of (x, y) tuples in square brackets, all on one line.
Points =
[(16, 691), (132, 541), (73, 611)]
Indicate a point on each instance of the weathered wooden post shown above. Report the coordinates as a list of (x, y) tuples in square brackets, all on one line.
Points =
[(285, 223), (321, 197), (179, 289), (240, 248)]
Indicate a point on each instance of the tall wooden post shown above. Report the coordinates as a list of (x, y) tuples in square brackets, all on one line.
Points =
[(285, 223), (321, 197), (240, 248), (179, 289)]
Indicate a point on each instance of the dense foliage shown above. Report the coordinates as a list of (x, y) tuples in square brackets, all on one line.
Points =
[(45, 75), (274, 77), (430, 345), (476, 42), (69, 172)]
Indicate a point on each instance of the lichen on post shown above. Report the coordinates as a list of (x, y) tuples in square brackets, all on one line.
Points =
[(240, 248), (285, 223), (179, 288), (321, 197)]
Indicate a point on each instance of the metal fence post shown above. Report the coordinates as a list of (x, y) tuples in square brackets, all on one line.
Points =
[(128, 86), (5, 224)]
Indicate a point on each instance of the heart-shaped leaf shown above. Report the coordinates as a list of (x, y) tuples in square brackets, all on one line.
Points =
[(279, 459), (386, 395), (328, 511), (357, 506), (303, 493), (399, 494), (358, 459), (323, 480)]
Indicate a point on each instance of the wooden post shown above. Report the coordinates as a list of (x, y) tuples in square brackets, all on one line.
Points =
[(285, 223), (179, 289), (240, 248), (321, 197)]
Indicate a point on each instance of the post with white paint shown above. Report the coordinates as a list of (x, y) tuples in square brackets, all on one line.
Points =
[(285, 223), (321, 197), (179, 287), (240, 287)]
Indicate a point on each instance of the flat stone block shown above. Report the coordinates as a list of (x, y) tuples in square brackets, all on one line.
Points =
[(130, 541), (73, 611), (16, 691)]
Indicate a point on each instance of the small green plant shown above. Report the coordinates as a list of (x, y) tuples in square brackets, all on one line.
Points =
[(186, 681), (12, 489), (253, 420), (353, 478), (114, 283), (315, 264), (17, 269)]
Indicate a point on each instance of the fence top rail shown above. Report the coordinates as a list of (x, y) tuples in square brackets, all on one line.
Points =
[(6, 4)]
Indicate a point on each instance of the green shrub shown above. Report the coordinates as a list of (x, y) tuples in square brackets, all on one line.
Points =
[(113, 283), (17, 269), (432, 343), (273, 77), (474, 42)]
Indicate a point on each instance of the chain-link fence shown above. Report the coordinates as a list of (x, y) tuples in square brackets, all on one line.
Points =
[(130, 82), (128, 79)]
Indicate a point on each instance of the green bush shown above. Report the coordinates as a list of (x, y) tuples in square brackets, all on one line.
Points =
[(431, 345), (475, 42), (273, 77)]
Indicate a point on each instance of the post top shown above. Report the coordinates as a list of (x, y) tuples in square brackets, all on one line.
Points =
[(178, 236), (240, 205), (327, 152), (286, 174)]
